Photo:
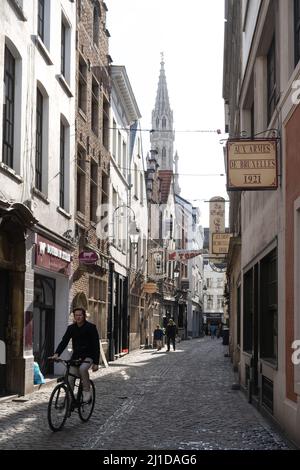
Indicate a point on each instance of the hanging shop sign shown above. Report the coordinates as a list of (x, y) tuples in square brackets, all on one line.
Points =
[(182, 255), (150, 288), (220, 243), (88, 257), (252, 165)]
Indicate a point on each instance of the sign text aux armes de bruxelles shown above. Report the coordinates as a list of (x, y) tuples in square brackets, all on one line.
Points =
[(252, 164)]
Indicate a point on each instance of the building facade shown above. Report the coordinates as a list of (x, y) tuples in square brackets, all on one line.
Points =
[(263, 275), (125, 114), (93, 88), (37, 68)]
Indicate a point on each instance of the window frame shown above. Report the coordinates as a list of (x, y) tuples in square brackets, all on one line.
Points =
[(271, 79), (62, 162), (9, 85), (39, 139), (41, 20)]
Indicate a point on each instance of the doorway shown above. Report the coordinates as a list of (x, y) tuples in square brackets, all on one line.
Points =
[(43, 322), (4, 313)]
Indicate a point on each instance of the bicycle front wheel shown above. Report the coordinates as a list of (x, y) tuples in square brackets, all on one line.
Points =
[(58, 407), (85, 410)]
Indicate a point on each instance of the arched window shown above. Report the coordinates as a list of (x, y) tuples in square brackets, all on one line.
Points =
[(164, 123), (157, 123), (164, 152)]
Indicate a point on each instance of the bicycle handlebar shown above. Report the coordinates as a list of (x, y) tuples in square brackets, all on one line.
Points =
[(69, 362)]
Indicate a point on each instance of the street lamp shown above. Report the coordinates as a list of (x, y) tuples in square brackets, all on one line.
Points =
[(134, 234), (176, 270)]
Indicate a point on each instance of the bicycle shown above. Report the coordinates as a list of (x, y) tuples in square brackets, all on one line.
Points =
[(63, 401)]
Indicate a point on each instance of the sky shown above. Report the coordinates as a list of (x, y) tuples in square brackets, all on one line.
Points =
[(191, 35)]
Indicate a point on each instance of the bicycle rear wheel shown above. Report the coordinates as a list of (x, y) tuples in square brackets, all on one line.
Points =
[(58, 407), (85, 410)]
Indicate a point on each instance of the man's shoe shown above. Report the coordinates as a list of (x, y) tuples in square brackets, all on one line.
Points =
[(86, 397)]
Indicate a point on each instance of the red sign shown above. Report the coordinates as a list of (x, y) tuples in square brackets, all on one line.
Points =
[(181, 255), (88, 257), (51, 256)]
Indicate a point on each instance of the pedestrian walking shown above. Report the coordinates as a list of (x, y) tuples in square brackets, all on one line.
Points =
[(171, 331), (213, 330), (158, 337)]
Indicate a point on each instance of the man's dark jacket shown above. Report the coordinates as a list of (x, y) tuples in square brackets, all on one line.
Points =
[(171, 331), (85, 341)]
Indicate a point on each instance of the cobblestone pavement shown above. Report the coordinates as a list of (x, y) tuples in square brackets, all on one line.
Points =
[(151, 400)]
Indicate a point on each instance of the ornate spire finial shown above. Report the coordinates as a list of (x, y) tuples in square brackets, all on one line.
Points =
[(162, 58)]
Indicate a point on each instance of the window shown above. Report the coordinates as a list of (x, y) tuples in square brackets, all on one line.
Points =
[(119, 148), (82, 85), (116, 217), (79, 8), (95, 106), (136, 181), (210, 302), (8, 109), (238, 319), (297, 30), (124, 169), (157, 123), (104, 199), (96, 23), (164, 153), (271, 77), (160, 225), (63, 49), (248, 311), (158, 263), (62, 166), (114, 139), (41, 19), (105, 123), (220, 302), (81, 180), (97, 303), (93, 191), (164, 123), (39, 140), (268, 318), (252, 120), (141, 188)]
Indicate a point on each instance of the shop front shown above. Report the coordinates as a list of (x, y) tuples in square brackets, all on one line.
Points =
[(51, 304)]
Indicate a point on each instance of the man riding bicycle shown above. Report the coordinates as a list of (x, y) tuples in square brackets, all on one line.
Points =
[(85, 345)]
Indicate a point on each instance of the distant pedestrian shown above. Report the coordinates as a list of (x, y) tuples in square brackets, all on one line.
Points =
[(213, 330), (158, 337), (171, 331), (219, 331)]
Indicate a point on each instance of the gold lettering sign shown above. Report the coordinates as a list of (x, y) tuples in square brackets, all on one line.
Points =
[(220, 243), (252, 165)]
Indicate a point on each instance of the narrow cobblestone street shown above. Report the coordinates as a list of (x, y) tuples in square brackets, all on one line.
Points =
[(151, 400)]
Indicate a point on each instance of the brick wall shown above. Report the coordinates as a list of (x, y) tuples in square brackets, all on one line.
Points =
[(94, 69)]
